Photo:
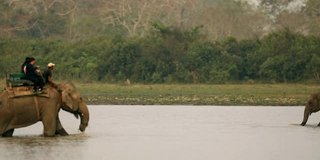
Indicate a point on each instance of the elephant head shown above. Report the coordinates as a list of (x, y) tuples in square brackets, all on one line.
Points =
[(72, 102)]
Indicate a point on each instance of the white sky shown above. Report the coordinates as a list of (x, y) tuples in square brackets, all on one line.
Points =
[(293, 6), (253, 2)]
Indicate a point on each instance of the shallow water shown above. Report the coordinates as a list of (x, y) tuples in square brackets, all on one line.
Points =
[(174, 132)]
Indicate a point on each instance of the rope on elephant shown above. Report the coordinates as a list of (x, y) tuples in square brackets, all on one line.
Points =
[(10, 102), (37, 106)]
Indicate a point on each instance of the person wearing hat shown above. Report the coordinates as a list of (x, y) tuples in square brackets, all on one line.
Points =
[(47, 75), (31, 74)]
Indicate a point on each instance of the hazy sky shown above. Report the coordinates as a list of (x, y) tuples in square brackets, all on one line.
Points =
[(293, 5), (253, 2)]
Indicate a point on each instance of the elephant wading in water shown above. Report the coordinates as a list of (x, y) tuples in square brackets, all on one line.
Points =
[(312, 106), (21, 111)]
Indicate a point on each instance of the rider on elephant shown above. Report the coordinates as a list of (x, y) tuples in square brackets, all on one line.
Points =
[(47, 75), (31, 74), (23, 66)]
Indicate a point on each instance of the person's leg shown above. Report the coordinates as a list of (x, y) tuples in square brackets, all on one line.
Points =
[(34, 80), (40, 82)]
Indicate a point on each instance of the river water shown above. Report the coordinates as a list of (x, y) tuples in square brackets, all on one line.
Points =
[(174, 133)]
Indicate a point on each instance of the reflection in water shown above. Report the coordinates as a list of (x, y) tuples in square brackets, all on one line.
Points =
[(37, 147)]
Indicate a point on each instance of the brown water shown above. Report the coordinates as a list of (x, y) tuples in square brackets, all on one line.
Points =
[(174, 133)]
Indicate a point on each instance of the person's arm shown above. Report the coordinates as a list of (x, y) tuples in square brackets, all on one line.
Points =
[(25, 69), (52, 84), (49, 79)]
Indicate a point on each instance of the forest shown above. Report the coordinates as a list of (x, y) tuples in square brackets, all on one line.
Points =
[(160, 41)]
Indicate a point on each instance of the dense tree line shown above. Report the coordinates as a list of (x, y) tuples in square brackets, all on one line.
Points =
[(156, 41), (79, 19), (171, 55)]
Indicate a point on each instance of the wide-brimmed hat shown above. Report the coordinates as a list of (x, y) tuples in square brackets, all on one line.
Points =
[(51, 65)]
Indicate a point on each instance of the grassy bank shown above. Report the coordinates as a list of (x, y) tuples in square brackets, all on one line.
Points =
[(197, 94)]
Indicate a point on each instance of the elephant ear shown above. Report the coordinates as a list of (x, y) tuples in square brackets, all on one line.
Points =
[(67, 99)]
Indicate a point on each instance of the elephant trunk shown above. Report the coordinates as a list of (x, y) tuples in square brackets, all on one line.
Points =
[(84, 116), (306, 115)]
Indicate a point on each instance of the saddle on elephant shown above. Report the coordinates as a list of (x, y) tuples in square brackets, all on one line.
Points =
[(23, 91), (17, 86)]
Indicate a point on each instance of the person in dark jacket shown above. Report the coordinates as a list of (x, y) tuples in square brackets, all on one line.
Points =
[(23, 66), (31, 74), (47, 75)]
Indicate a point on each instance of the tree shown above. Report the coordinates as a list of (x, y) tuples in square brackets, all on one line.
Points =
[(294, 21), (37, 18), (282, 56), (136, 17), (273, 7), (132, 16), (232, 19), (312, 10), (314, 68)]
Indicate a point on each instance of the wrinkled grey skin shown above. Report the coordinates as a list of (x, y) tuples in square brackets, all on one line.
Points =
[(21, 112), (312, 106)]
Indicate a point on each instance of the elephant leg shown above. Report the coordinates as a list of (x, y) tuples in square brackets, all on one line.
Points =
[(306, 116), (8, 133), (60, 130), (49, 126)]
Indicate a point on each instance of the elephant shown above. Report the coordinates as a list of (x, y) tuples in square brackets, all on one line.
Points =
[(312, 106), (23, 111)]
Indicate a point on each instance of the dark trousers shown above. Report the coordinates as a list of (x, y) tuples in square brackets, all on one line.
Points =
[(37, 80)]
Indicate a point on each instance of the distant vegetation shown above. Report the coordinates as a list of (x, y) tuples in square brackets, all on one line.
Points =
[(180, 41), (198, 94)]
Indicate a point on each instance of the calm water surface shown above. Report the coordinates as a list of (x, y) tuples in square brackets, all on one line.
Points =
[(174, 133)]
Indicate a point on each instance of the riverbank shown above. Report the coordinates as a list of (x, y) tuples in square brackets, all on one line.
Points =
[(198, 94)]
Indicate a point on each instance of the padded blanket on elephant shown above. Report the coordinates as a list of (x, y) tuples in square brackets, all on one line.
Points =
[(26, 91)]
